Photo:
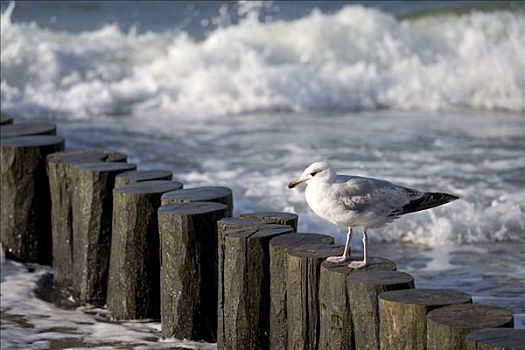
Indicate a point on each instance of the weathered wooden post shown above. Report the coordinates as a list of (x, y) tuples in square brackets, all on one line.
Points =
[(59, 170), (280, 218), (247, 286), (26, 208), (447, 327), (334, 304), (496, 339), (279, 247), (363, 288), (92, 219), (302, 299), (188, 282), (403, 315), (223, 227), (132, 177), (5, 119), (134, 266), (215, 194), (27, 129)]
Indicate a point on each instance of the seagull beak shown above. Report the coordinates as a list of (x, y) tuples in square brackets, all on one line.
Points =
[(296, 182)]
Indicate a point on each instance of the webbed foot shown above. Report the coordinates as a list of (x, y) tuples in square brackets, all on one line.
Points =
[(357, 264), (338, 259)]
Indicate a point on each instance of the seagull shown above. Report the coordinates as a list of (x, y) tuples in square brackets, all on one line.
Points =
[(355, 201)]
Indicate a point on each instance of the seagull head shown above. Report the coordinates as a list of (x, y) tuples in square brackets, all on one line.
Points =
[(318, 171)]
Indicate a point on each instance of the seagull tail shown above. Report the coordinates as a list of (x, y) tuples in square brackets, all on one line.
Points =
[(427, 201)]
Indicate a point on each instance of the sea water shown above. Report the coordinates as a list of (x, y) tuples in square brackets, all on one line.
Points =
[(246, 95)]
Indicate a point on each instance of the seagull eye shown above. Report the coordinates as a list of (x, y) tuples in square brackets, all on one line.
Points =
[(313, 173)]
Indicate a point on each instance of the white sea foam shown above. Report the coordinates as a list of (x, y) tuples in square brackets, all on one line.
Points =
[(29, 322), (357, 58)]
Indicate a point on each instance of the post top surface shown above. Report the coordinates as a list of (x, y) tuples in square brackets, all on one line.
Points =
[(379, 277), (33, 141), (5, 119), (85, 156), (374, 263), (150, 187), (262, 231), (144, 175), (271, 215), (502, 337), (430, 297), (236, 222), (292, 240), (198, 194), (104, 166), (191, 208), (26, 129), (471, 316), (316, 250)]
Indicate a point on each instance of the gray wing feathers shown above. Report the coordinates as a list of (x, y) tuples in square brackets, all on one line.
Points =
[(362, 194)]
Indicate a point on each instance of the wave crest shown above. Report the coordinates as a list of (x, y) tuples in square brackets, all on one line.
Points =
[(355, 59)]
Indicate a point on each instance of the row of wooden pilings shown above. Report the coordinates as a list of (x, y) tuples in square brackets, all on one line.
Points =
[(137, 242)]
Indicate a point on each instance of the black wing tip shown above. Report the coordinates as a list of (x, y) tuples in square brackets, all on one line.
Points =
[(447, 197), (435, 199), (427, 201)]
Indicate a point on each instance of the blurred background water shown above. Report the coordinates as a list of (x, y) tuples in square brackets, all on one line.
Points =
[(427, 94)]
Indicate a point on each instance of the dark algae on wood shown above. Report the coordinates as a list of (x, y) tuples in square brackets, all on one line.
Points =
[(363, 288), (302, 299), (134, 267), (334, 304), (217, 194), (279, 247), (132, 177), (447, 327), (403, 315), (26, 204), (61, 185), (496, 339), (189, 269), (92, 219), (246, 286)]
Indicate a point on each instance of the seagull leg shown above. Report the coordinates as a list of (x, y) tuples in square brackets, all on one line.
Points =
[(361, 264), (346, 254)]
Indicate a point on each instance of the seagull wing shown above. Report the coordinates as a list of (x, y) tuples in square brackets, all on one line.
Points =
[(367, 195)]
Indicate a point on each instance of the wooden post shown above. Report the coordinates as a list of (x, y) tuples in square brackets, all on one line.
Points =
[(59, 170), (188, 282), (279, 247), (134, 266), (363, 288), (403, 315), (27, 129), (247, 286), (447, 327), (334, 303), (302, 302), (280, 218), (223, 227), (496, 339), (26, 208), (215, 194), (132, 177), (5, 119), (92, 219)]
